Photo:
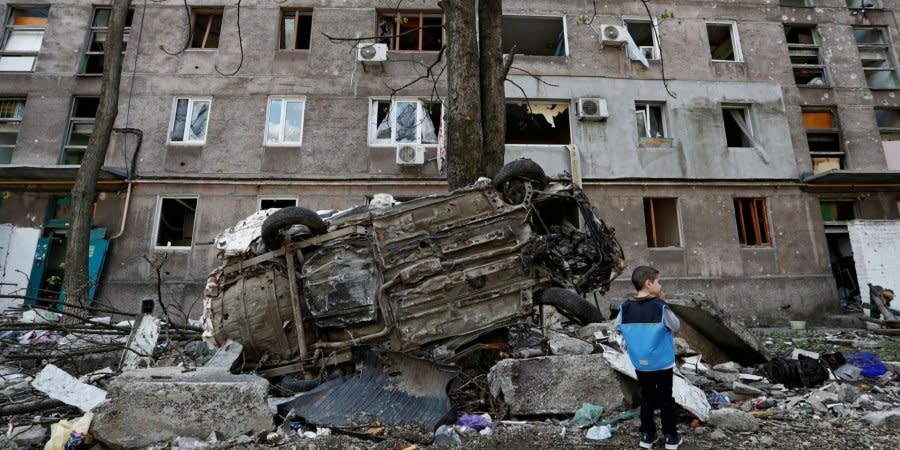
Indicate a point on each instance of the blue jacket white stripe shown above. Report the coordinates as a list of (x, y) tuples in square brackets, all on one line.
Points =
[(648, 340)]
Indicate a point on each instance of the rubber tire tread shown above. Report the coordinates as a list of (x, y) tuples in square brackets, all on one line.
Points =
[(571, 305), (521, 168), (286, 217)]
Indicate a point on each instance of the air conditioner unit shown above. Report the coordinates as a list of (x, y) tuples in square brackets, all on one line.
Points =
[(410, 154), (611, 34), (592, 109), (369, 52)]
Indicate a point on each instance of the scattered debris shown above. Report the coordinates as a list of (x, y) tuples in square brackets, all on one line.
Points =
[(61, 386)]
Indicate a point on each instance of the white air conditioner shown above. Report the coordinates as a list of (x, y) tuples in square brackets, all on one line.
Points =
[(611, 34), (592, 109), (410, 154), (369, 52)]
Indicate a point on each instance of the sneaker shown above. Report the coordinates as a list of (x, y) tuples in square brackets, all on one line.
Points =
[(673, 441), (647, 440)]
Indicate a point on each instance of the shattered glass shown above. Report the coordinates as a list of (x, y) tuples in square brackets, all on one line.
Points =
[(180, 117), (406, 122), (198, 121)]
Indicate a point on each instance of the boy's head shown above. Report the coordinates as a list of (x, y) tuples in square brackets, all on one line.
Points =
[(644, 275)]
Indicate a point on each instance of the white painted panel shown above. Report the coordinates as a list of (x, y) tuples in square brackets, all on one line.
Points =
[(24, 41), (17, 264), (876, 244)]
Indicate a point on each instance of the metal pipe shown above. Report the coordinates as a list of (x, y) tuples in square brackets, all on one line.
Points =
[(132, 171)]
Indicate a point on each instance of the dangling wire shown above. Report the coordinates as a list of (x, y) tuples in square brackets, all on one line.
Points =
[(240, 43)]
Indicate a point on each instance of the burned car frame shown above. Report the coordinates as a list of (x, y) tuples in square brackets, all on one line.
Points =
[(428, 275)]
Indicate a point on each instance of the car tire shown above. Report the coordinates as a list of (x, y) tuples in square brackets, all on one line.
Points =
[(520, 169), (571, 305), (286, 217)]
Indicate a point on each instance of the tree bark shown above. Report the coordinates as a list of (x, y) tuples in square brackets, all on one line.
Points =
[(493, 98), (463, 115), (77, 277)]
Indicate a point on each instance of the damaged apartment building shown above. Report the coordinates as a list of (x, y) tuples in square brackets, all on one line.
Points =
[(728, 143)]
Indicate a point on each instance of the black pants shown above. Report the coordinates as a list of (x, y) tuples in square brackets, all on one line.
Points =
[(656, 393)]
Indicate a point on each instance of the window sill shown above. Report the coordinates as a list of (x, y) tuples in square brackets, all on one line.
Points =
[(88, 75), (656, 143), (185, 144), (297, 146), (293, 50), (201, 49), (404, 143), (172, 249), (665, 249), (812, 86), (758, 247), (725, 61), (741, 148), (885, 89)]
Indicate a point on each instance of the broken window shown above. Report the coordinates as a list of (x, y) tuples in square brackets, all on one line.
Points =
[(81, 125), (796, 3), (296, 29), (190, 119), (867, 4), (414, 31), (92, 64), (876, 57), (539, 36), (889, 128), (537, 123), (838, 211), (175, 222), (824, 140), (723, 41), (661, 222), (738, 128), (12, 111), (22, 37), (206, 28), (752, 222), (806, 56), (276, 202), (644, 37), (284, 123), (649, 120), (404, 121)]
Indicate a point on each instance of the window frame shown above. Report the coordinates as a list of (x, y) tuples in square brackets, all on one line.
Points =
[(817, 46), (93, 30), (297, 13), (739, 220), (835, 201), (373, 141), (662, 118), (806, 4), (748, 120), (876, 7), (735, 41), (888, 48), (205, 11), (834, 130), (157, 217), (654, 34), (678, 224), (191, 100), (565, 30), (568, 103), (261, 198), (15, 120), (284, 101), (9, 27), (394, 41), (72, 122)]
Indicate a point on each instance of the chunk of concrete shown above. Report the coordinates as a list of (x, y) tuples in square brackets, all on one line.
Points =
[(715, 334), (733, 420), (557, 384), (159, 404), (27, 436), (561, 344), (59, 385), (730, 367), (745, 389), (890, 419)]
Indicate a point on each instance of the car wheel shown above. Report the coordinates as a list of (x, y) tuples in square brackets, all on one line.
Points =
[(511, 179), (571, 305), (286, 217)]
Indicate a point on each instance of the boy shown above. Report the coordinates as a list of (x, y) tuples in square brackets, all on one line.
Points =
[(647, 325)]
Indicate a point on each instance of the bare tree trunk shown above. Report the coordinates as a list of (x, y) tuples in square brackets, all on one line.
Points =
[(493, 98), (463, 115), (77, 277)]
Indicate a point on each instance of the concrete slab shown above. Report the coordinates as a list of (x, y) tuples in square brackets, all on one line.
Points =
[(715, 334), (158, 404)]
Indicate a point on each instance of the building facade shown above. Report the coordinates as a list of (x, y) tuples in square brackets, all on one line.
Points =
[(727, 142)]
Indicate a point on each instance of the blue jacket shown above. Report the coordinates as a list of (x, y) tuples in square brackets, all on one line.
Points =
[(647, 326)]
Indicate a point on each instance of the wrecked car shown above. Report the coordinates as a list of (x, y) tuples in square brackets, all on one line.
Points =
[(428, 276)]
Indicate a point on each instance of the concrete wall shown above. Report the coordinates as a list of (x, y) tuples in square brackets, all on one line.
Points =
[(336, 167), (875, 247)]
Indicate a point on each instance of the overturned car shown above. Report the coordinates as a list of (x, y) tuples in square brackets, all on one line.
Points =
[(429, 276)]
